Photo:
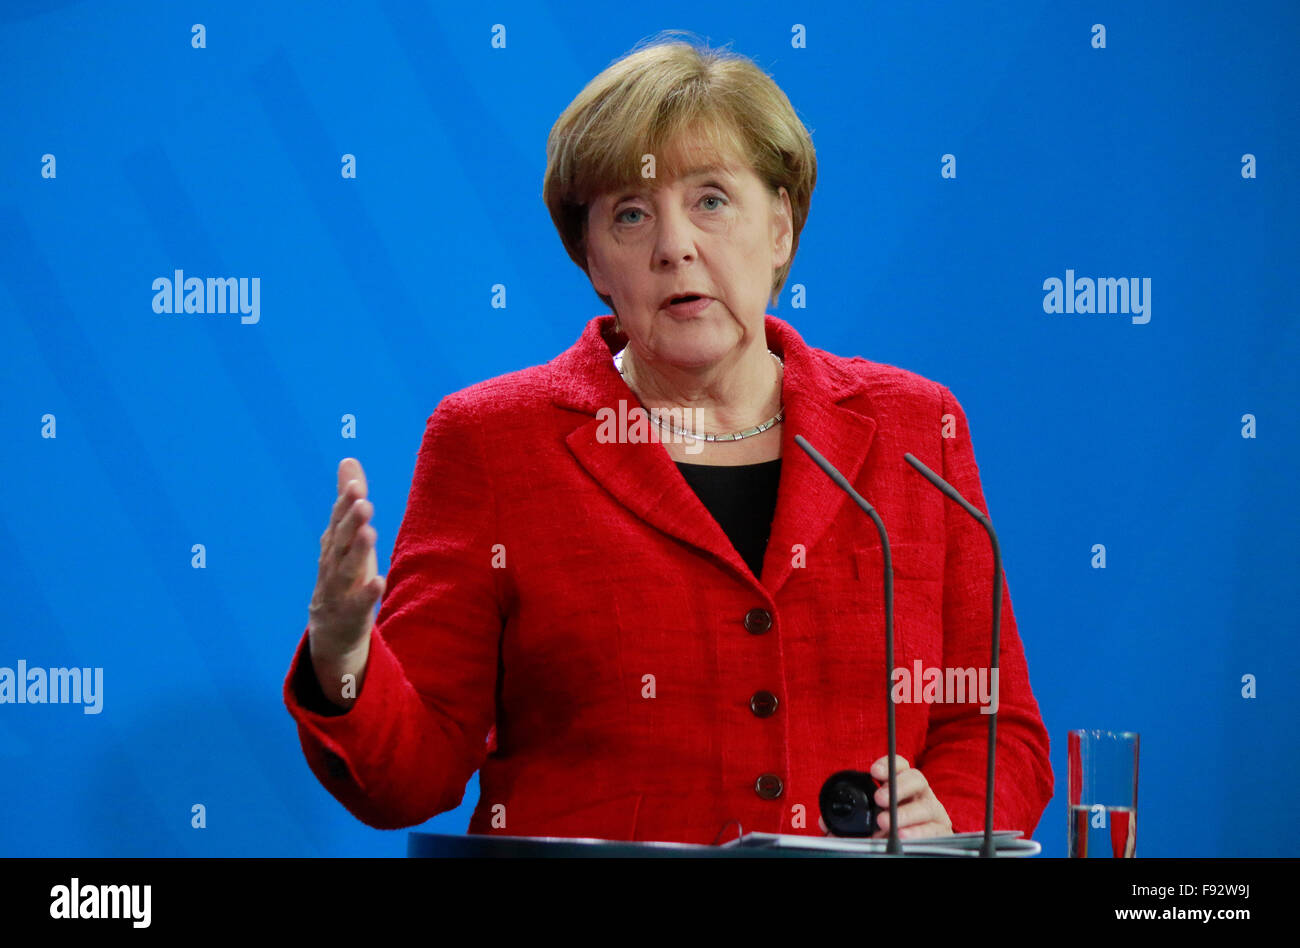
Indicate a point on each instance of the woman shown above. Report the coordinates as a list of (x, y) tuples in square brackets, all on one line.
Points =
[(653, 638)]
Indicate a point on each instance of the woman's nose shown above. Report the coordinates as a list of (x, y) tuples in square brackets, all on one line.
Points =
[(674, 239)]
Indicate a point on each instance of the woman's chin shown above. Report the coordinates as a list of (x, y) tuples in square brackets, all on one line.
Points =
[(694, 342)]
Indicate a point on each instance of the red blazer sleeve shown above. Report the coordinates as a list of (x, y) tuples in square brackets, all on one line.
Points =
[(405, 750), (957, 738)]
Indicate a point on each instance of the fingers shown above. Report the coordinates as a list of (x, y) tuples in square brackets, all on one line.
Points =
[(348, 543), (347, 584), (350, 469), (880, 768), (920, 814), (352, 564), (349, 492), (911, 783), (350, 528), (347, 588), (916, 819), (912, 814), (346, 514)]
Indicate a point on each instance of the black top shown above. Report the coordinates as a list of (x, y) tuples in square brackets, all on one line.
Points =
[(741, 497)]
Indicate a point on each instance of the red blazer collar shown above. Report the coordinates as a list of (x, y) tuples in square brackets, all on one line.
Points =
[(585, 379), (823, 399)]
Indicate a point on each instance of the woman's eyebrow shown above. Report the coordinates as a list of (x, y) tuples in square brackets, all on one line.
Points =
[(689, 173), (697, 171)]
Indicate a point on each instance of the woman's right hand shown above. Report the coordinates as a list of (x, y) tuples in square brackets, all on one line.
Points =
[(341, 613)]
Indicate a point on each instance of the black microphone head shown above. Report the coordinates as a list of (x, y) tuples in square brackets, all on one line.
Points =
[(848, 805)]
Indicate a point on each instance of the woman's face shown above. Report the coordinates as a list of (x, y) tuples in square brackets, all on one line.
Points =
[(715, 232)]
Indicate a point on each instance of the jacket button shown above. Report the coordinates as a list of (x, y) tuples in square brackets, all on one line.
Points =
[(758, 621), (768, 786), (763, 704), (335, 766)]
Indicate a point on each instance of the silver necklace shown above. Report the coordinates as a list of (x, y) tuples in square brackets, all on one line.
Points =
[(735, 436)]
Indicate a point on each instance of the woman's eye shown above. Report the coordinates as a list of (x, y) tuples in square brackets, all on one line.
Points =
[(619, 218)]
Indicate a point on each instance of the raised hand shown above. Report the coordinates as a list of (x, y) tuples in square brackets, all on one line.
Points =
[(341, 613)]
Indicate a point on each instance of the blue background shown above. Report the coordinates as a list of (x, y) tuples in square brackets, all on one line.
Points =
[(376, 301)]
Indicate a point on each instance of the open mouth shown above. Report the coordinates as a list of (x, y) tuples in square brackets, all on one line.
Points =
[(687, 305)]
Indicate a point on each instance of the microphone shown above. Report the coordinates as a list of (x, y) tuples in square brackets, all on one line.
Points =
[(950, 491), (847, 803), (843, 793)]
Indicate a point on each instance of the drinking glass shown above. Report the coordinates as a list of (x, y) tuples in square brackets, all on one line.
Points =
[(1103, 794)]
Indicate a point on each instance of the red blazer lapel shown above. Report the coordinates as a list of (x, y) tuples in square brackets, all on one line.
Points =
[(819, 396)]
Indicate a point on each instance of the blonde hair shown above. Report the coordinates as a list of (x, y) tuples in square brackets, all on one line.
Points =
[(645, 102)]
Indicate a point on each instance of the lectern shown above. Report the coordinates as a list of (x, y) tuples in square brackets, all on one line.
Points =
[(1007, 843)]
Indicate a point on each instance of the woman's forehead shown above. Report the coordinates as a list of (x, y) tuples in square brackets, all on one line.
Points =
[(690, 154), (681, 162)]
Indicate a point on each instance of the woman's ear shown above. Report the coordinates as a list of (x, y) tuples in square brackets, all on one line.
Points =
[(783, 227)]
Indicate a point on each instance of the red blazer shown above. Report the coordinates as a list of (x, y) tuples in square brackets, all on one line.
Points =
[(564, 615)]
